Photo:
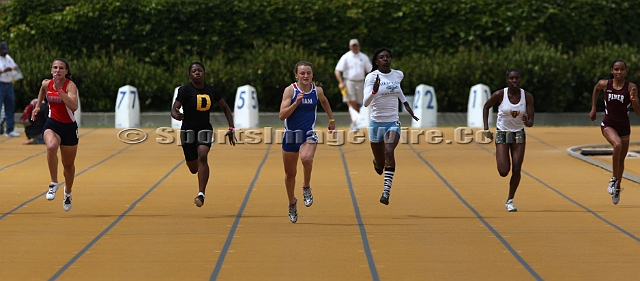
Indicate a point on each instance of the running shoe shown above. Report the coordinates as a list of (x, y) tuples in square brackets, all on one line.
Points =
[(385, 198), (510, 206), (13, 134), (293, 211), (51, 194), (615, 197), (308, 197), (612, 185), (66, 203), (199, 201)]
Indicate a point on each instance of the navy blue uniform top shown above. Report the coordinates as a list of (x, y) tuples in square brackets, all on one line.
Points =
[(304, 116)]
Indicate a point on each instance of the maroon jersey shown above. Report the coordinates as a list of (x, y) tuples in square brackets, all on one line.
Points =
[(616, 109), (616, 104)]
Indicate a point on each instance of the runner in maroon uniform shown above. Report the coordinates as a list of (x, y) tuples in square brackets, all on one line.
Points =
[(619, 95)]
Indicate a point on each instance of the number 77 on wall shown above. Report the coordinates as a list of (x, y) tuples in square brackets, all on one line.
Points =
[(127, 116)]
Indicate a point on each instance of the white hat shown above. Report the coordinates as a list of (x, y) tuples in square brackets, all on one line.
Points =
[(353, 42)]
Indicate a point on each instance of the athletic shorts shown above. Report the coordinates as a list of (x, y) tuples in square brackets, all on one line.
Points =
[(191, 139), (623, 130), (508, 137), (377, 130), (68, 132), (292, 140)]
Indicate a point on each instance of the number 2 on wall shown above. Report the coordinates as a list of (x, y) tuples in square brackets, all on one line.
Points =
[(427, 95)]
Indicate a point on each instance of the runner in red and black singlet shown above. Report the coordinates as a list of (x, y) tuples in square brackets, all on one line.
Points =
[(61, 130)]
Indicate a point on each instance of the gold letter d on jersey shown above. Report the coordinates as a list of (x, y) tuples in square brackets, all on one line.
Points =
[(203, 99)]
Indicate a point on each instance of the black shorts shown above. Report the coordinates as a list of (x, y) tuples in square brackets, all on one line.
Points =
[(191, 139), (68, 132), (623, 129)]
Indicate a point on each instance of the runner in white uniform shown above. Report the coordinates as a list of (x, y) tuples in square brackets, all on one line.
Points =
[(382, 91), (514, 113)]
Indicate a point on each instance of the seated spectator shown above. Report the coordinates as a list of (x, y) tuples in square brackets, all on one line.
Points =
[(33, 128)]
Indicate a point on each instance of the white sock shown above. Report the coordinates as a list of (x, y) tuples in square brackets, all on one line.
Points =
[(201, 194), (355, 115)]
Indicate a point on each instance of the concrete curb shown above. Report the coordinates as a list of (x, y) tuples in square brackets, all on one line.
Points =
[(444, 119), (574, 151)]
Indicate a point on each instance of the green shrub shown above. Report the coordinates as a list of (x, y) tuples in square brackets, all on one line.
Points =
[(35, 64), (267, 67), (594, 63), (450, 45), (98, 77), (559, 81), (545, 72), (150, 28)]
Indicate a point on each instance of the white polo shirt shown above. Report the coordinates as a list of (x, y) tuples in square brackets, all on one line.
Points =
[(354, 66), (6, 61)]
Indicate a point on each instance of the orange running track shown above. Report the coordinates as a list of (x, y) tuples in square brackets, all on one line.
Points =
[(133, 216)]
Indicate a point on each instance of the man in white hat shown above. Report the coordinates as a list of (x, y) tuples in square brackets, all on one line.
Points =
[(350, 72), (7, 97)]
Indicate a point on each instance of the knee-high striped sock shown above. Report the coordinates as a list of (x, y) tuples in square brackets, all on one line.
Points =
[(388, 177)]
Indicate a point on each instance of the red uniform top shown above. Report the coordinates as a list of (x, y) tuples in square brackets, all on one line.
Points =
[(57, 109), (616, 104)]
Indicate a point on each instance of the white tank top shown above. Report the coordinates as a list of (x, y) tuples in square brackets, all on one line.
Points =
[(510, 115)]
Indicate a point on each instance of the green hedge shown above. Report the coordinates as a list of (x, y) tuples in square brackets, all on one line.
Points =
[(559, 81), (543, 68), (267, 67), (150, 28), (450, 45)]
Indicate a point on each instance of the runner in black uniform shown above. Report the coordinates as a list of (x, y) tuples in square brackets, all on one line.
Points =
[(196, 99)]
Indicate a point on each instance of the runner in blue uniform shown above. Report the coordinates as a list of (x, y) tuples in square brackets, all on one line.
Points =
[(298, 110)]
